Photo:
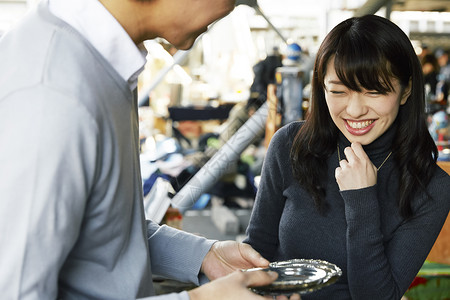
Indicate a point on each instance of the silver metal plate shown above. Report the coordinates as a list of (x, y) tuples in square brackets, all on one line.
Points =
[(299, 276)]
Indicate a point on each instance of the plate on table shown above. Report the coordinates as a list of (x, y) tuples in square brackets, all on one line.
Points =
[(300, 276)]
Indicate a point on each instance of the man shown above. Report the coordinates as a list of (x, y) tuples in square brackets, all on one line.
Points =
[(71, 219)]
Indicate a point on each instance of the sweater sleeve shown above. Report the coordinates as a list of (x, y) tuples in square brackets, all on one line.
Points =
[(380, 268), (176, 254), (262, 232)]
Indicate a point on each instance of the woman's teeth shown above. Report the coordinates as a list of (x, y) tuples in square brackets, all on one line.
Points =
[(359, 125)]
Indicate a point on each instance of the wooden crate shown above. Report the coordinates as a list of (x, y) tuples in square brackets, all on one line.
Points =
[(440, 252)]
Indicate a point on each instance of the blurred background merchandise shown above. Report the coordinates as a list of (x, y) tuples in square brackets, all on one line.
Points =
[(193, 102)]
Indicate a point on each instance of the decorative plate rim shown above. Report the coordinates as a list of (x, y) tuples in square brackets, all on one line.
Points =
[(299, 286)]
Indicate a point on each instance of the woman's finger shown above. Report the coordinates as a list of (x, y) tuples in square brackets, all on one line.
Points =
[(350, 155), (359, 151), (343, 164)]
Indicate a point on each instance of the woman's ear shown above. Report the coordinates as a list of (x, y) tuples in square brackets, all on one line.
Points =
[(406, 93)]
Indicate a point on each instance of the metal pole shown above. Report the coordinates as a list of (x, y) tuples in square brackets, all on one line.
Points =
[(370, 7), (259, 11), (388, 9), (216, 167), (255, 6)]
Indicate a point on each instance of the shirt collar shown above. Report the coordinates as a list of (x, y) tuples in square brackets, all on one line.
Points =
[(105, 33)]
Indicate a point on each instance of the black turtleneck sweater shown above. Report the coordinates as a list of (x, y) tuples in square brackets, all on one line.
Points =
[(362, 231)]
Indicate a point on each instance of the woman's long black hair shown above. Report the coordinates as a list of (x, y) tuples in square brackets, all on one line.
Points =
[(368, 51)]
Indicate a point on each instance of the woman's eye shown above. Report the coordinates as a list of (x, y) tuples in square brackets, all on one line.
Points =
[(337, 92), (374, 93)]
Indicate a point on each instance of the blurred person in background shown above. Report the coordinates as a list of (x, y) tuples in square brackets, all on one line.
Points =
[(430, 69), (443, 85)]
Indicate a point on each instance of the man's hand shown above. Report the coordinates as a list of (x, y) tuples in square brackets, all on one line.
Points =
[(227, 256), (235, 286)]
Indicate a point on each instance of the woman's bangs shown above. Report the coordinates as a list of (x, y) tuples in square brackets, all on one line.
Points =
[(363, 69)]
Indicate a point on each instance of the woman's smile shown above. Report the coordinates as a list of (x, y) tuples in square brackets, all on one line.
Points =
[(359, 127)]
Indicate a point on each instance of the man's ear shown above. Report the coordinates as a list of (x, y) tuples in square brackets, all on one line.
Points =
[(406, 93)]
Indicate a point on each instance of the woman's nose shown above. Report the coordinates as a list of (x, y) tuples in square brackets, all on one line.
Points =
[(356, 105)]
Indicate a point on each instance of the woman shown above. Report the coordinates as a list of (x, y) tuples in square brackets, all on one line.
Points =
[(356, 184)]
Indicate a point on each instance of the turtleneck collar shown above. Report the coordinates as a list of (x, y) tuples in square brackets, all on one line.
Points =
[(378, 149)]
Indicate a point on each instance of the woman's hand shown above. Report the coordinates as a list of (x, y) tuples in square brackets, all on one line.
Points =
[(225, 257), (357, 171), (235, 286)]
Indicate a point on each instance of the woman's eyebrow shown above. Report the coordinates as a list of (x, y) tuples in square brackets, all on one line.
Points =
[(334, 82)]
